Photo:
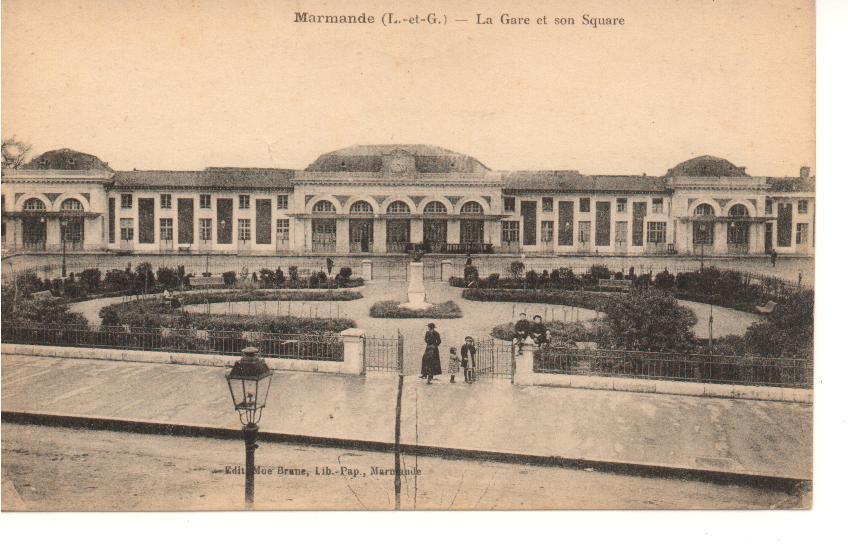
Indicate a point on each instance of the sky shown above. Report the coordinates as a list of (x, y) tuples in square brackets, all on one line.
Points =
[(185, 85)]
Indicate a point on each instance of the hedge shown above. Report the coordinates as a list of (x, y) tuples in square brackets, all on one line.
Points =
[(392, 309), (584, 299)]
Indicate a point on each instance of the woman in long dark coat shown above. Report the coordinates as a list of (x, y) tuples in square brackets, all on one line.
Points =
[(431, 365)]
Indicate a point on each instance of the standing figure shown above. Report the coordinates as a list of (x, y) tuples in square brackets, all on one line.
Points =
[(773, 257), (431, 365), (453, 365), (469, 359)]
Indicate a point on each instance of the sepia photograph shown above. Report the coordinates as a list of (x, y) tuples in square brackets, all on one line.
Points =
[(285, 255)]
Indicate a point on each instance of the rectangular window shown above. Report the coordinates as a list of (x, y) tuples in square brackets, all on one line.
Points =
[(656, 205), (769, 206), (547, 204), (166, 228), (547, 231), (263, 221), (784, 224), (244, 202), (127, 231), (565, 236), (111, 220), (282, 229), (656, 232), (603, 223), (206, 201), (244, 229), (146, 220), (185, 220), (509, 204), (640, 210), (165, 202), (224, 209), (126, 202), (584, 205), (528, 213), (206, 229), (509, 232), (802, 206), (801, 232), (282, 202), (621, 205)]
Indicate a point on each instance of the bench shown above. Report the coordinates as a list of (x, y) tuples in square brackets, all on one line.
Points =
[(206, 281), (623, 285), (767, 308)]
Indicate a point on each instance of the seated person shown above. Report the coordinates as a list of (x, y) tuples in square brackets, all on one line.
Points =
[(539, 332), (522, 330)]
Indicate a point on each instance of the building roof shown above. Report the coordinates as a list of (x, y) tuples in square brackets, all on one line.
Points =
[(792, 185), (708, 166), (66, 159), (369, 158), (573, 181), (210, 178)]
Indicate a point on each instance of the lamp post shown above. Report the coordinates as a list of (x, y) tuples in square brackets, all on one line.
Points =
[(702, 228), (249, 381)]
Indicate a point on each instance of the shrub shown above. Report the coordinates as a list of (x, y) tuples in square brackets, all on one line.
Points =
[(168, 278), (266, 278), (35, 311), (293, 274), (391, 309), (788, 330), (90, 279), (619, 275), (647, 320), (118, 280), (470, 273), (582, 299), (516, 269), (532, 279), (229, 278), (279, 277), (561, 331), (599, 272), (643, 280), (555, 278), (664, 280)]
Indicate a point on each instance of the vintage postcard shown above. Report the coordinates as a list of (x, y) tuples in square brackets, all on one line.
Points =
[(287, 255)]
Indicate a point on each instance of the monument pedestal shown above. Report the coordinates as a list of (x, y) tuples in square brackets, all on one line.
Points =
[(415, 291)]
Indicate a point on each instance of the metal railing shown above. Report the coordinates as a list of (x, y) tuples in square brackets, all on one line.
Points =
[(321, 347), (383, 354), (690, 367)]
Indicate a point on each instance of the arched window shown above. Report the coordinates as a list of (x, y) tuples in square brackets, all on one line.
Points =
[(324, 206), (738, 210), (398, 207), (471, 208), (34, 205), (71, 205), (361, 207), (704, 209), (435, 207)]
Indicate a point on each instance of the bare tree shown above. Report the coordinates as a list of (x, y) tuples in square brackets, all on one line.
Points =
[(15, 153)]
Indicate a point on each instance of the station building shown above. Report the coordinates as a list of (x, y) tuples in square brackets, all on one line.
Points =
[(392, 199)]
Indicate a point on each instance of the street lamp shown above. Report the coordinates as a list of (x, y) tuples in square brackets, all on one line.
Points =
[(702, 228), (249, 381)]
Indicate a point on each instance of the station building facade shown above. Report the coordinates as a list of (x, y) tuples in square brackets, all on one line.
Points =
[(392, 199)]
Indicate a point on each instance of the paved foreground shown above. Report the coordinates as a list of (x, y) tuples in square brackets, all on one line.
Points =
[(47, 468), (740, 436)]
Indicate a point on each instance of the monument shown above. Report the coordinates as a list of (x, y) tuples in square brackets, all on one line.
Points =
[(416, 299)]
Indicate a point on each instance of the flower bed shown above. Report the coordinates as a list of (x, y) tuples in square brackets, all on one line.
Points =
[(583, 299), (158, 314), (251, 296), (391, 309)]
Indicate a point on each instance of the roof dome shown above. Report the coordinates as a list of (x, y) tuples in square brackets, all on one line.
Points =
[(426, 159), (709, 167), (66, 159)]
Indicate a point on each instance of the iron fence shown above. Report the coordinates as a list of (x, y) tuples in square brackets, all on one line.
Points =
[(321, 347), (691, 367), (495, 359), (383, 354)]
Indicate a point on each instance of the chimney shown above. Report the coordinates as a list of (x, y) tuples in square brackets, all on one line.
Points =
[(805, 173)]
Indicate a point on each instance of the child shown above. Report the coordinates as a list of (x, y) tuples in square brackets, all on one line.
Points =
[(469, 359), (453, 364)]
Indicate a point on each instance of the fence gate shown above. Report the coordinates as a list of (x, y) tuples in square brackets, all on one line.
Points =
[(495, 359), (383, 353)]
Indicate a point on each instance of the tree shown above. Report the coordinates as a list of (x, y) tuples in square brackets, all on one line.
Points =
[(647, 320), (15, 153), (788, 330)]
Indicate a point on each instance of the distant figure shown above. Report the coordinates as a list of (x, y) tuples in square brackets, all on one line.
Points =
[(522, 330), (538, 331), (431, 365), (773, 257), (453, 365), (469, 359)]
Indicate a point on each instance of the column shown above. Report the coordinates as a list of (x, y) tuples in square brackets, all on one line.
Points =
[(53, 235), (354, 355), (416, 231), (379, 236), (453, 231), (720, 240), (342, 236)]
